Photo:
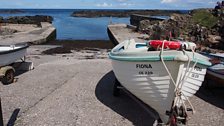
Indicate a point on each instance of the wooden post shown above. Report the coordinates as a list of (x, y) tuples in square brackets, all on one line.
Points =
[(1, 117)]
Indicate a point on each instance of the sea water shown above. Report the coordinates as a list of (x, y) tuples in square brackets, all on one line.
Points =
[(74, 28)]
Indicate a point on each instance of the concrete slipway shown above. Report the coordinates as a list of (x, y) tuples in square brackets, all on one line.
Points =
[(71, 90)]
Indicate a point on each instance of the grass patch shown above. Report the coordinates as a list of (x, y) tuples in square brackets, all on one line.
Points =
[(205, 18)]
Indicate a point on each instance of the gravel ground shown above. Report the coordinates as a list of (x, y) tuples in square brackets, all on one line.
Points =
[(75, 89)]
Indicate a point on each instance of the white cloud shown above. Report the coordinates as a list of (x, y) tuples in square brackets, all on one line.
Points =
[(121, 0), (212, 2), (104, 5), (168, 1), (126, 4)]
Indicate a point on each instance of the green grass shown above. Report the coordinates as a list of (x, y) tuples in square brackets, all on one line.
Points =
[(204, 18)]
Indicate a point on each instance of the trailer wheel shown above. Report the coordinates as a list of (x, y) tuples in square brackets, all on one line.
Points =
[(116, 90), (9, 77)]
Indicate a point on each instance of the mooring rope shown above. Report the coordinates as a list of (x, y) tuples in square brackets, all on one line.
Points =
[(178, 92)]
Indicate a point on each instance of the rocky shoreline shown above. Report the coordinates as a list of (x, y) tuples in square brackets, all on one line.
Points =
[(27, 19), (201, 26), (7, 27), (122, 13)]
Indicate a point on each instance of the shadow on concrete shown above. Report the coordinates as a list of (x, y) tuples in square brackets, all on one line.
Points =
[(20, 72), (22, 67), (13, 117), (124, 105), (211, 95)]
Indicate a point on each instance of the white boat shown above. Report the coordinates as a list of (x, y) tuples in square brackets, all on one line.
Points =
[(164, 80), (12, 53)]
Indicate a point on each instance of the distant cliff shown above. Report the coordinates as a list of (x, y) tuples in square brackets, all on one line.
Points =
[(122, 13), (9, 11)]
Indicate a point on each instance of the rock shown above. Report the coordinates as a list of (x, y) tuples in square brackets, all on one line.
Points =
[(214, 38), (135, 19), (122, 13), (146, 25), (29, 19), (177, 26), (1, 19), (179, 17), (187, 27)]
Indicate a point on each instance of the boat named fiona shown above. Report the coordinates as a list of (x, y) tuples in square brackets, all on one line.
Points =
[(164, 80)]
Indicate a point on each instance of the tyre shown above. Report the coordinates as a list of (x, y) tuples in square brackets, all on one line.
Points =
[(9, 77)]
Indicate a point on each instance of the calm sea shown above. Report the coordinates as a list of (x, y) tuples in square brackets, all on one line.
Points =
[(74, 28)]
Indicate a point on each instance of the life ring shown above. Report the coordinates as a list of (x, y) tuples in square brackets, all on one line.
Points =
[(173, 45)]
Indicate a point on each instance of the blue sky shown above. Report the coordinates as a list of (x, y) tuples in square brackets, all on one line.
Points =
[(108, 4)]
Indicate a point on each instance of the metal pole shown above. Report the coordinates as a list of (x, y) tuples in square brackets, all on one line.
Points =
[(1, 117)]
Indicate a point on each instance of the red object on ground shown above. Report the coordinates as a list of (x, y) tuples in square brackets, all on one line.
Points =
[(167, 44)]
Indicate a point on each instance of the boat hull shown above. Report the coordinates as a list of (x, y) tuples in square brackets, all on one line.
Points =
[(214, 79), (11, 55), (194, 77), (161, 79), (149, 81)]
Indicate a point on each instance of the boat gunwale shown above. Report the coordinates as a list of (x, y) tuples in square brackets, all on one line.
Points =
[(115, 54), (151, 58), (23, 46), (215, 71)]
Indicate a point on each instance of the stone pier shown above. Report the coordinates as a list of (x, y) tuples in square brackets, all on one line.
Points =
[(27, 33)]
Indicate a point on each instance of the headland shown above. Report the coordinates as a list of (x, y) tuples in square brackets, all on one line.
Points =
[(123, 13)]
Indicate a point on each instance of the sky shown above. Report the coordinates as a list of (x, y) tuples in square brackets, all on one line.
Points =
[(107, 4)]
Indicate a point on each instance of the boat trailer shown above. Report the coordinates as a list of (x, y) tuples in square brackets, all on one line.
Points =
[(7, 74)]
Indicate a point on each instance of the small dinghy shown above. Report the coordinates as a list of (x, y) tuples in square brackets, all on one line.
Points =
[(164, 80), (11, 53), (8, 55)]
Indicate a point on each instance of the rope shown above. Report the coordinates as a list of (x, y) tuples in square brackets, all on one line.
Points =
[(161, 58), (178, 92), (187, 76)]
